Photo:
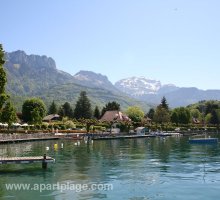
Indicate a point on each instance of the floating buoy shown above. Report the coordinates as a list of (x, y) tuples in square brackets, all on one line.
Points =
[(47, 148), (75, 143), (61, 145), (55, 147)]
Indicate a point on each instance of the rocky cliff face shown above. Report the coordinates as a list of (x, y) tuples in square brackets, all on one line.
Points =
[(35, 61), (30, 74)]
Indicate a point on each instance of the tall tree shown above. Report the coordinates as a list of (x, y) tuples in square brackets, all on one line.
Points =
[(83, 107), (53, 108), (164, 103), (8, 114), (161, 115), (96, 112), (3, 79), (31, 107), (66, 110), (110, 106), (150, 114)]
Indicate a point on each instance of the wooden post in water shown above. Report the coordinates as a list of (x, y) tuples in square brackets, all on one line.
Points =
[(44, 162)]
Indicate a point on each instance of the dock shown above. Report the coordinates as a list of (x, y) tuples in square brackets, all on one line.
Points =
[(122, 137), (27, 139), (27, 160)]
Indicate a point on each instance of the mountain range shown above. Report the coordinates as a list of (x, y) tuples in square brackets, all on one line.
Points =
[(34, 75)]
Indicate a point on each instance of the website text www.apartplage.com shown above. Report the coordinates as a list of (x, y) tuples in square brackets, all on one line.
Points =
[(68, 186)]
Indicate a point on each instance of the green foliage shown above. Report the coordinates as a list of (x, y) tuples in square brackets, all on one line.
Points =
[(36, 118), (161, 115), (96, 113), (164, 103), (70, 124), (174, 117), (215, 117), (150, 114), (8, 114), (83, 107), (195, 113), (110, 106), (208, 118), (53, 108), (33, 110), (66, 110), (181, 115), (3, 79), (209, 111), (135, 113)]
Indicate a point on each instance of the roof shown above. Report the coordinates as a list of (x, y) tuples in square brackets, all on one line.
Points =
[(51, 117), (114, 115), (140, 128), (195, 121)]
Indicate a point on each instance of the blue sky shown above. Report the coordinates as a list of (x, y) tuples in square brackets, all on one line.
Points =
[(174, 41)]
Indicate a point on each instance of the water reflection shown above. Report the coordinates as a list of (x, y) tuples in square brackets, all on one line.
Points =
[(138, 168)]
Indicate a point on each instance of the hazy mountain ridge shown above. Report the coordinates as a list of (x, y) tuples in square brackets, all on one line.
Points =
[(33, 75), (92, 79)]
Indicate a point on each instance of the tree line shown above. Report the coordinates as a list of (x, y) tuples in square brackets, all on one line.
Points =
[(34, 109)]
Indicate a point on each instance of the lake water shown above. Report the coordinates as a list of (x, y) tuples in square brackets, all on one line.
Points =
[(134, 169)]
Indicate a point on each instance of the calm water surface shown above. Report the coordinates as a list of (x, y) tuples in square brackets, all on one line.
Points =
[(138, 169)]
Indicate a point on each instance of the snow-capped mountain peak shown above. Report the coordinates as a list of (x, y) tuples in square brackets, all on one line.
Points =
[(138, 86)]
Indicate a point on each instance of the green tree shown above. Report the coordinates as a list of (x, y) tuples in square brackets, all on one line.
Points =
[(195, 113), (161, 115), (36, 117), (150, 113), (181, 115), (8, 114), (96, 112), (208, 118), (3, 79), (210, 106), (110, 106), (53, 108), (174, 117), (66, 110), (215, 119), (83, 107), (184, 115), (135, 113), (164, 103), (31, 108)]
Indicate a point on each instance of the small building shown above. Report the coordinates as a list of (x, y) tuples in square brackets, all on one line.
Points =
[(53, 117), (141, 130), (114, 116)]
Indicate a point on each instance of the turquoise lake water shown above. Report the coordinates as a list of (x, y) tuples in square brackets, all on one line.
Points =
[(136, 169)]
